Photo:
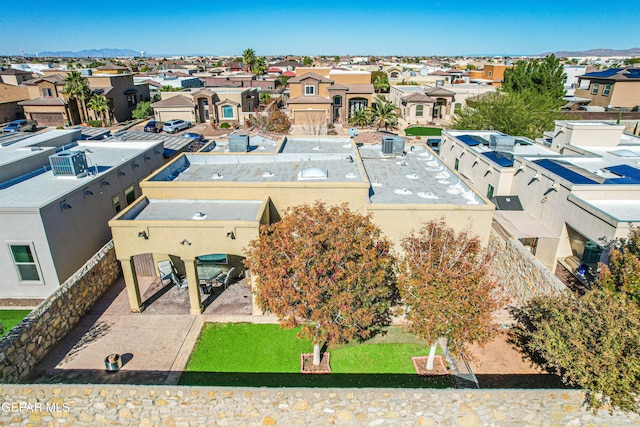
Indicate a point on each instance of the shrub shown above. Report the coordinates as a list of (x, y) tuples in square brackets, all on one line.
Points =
[(225, 125), (278, 122), (95, 123)]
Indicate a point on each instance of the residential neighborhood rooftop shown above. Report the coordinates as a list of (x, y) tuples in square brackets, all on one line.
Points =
[(419, 177), (200, 210), (40, 187)]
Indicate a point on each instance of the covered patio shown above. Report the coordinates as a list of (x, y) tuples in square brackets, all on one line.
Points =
[(194, 248)]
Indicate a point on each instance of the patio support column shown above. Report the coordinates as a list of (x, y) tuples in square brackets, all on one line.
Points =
[(131, 281), (253, 279), (194, 286)]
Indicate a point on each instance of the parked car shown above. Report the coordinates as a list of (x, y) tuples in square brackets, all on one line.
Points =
[(153, 126), (173, 126), (195, 137), (21, 125)]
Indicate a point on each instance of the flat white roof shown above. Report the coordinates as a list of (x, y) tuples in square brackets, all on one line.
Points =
[(43, 188), (200, 210)]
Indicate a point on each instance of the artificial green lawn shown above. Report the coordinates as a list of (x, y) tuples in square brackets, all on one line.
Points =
[(11, 318), (423, 131), (265, 355)]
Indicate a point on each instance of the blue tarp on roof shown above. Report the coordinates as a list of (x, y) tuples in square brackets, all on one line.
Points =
[(503, 159), (561, 171)]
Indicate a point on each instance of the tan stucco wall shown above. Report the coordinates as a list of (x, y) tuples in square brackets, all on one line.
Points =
[(297, 88), (625, 94), (363, 77), (205, 237), (397, 221), (321, 71), (282, 195), (586, 134)]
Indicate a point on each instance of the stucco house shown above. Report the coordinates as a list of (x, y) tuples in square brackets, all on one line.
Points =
[(320, 95), (203, 207), (565, 196), (614, 88), (207, 105), (57, 194)]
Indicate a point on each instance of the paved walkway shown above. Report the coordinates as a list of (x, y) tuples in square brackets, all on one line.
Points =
[(154, 345)]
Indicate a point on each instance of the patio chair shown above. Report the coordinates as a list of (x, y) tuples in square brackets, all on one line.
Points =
[(168, 272), (227, 279)]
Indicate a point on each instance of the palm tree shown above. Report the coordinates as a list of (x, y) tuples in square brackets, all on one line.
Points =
[(259, 66), (100, 105), (265, 98), (359, 117), (249, 58), (283, 80), (77, 88), (383, 113)]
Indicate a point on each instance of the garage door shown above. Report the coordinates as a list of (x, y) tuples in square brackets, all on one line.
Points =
[(310, 117), (48, 119), (172, 115)]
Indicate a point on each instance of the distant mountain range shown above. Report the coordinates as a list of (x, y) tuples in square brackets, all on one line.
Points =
[(90, 53), (115, 53), (634, 51)]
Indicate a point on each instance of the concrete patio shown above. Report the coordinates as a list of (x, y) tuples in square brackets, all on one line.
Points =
[(154, 345)]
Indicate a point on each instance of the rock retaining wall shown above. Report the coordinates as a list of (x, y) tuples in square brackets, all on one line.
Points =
[(524, 276), (87, 405), (29, 341)]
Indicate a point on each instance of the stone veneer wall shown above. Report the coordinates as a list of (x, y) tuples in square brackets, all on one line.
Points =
[(524, 275), (29, 341), (87, 405)]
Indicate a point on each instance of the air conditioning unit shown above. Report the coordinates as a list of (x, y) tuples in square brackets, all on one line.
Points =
[(502, 143), (239, 143), (392, 145), (69, 163)]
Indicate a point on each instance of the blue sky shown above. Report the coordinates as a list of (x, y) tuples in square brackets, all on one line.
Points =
[(372, 27)]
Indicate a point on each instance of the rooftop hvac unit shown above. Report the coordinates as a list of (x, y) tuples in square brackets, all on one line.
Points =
[(239, 143), (69, 163), (392, 145), (502, 143)]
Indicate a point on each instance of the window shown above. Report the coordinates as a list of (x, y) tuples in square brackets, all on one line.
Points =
[(47, 92), (337, 101), (357, 104), (606, 90), (490, 74), (595, 88), (130, 195), (227, 112), (25, 262), (309, 90), (419, 110), (457, 165), (490, 190), (131, 100), (116, 203)]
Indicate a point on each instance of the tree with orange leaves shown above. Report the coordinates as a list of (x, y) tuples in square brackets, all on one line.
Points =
[(326, 269), (447, 287)]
